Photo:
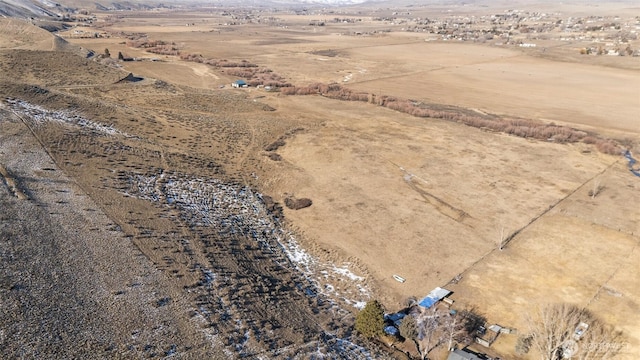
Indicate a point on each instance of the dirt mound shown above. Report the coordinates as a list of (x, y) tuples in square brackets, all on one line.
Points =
[(275, 145), (297, 204)]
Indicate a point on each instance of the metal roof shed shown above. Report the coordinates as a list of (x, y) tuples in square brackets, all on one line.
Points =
[(434, 296), (239, 83), (462, 354)]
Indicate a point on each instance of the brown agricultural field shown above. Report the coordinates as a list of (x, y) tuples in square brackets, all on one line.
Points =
[(188, 170)]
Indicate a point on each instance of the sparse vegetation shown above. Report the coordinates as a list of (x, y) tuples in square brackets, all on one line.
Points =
[(523, 344), (596, 188), (175, 170), (524, 128), (155, 46), (254, 74), (432, 328), (409, 328)]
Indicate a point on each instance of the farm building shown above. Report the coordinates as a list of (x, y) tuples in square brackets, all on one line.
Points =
[(239, 84), (434, 296)]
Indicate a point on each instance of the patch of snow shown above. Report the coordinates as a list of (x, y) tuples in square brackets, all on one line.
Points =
[(38, 116), (234, 209), (344, 271), (360, 305)]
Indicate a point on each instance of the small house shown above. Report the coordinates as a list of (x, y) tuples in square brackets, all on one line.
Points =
[(239, 84)]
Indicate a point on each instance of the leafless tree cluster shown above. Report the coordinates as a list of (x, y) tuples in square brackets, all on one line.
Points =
[(435, 327), (525, 128), (254, 74), (563, 331), (333, 91), (198, 58), (155, 46)]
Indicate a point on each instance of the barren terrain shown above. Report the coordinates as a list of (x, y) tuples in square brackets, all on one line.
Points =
[(181, 180)]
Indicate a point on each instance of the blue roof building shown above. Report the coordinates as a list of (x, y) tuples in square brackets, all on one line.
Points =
[(239, 83), (434, 296)]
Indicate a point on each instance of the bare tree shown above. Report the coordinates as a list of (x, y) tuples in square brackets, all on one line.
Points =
[(453, 329), (599, 341), (435, 327), (566, 331), (410, 301), (502, 240), (597, 188), (523, 344), (427, 324), (552, 329)]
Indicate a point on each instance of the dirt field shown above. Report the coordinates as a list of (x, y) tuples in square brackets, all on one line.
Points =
[(496, 81), (180, 165), (170, 168), (590, 258)]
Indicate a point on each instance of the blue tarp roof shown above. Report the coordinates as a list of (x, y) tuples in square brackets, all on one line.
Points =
[(395, 316), (241, 82), (391, 330), (434, 296)]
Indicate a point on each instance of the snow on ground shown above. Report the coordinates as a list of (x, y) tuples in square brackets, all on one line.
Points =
[(38, 116), (236, 209), (231, 209)]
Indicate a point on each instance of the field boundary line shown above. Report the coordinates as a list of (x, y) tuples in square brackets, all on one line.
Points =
[(510, 238)]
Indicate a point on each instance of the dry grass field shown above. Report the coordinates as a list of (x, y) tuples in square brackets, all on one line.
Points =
[(186, 167)]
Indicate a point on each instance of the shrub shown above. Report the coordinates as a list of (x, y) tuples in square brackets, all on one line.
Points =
[(370, 320), (523, 344), (608, 147), (525, 128), (297, 204), (408, 328)]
